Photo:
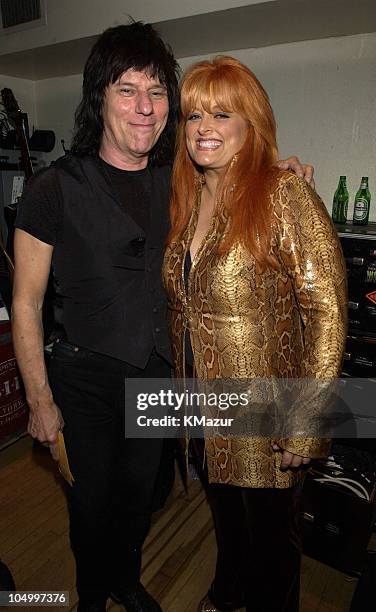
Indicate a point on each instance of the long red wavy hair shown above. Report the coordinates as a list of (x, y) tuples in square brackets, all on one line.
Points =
[(245, 187)]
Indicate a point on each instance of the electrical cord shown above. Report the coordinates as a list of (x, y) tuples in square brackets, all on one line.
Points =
[(357, 469), (343, 479), (344, 482)]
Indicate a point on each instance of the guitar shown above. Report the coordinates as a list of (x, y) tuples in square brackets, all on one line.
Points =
[(17, 119), (18, 426)]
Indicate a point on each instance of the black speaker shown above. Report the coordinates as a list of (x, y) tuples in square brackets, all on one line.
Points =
[(337, 525), (40, 140)]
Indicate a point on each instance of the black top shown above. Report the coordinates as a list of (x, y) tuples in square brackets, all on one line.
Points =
[(41, 210), (108, 230), (134, 191)]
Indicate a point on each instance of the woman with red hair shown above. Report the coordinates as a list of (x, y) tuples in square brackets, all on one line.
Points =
[(255, 274)]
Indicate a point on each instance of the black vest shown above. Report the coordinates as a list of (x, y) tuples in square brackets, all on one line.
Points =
[(107, 271)]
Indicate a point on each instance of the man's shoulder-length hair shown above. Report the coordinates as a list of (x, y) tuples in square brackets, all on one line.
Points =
[(138, 46)]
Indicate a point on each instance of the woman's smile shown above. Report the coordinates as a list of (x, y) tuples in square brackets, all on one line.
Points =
[(213, 138)]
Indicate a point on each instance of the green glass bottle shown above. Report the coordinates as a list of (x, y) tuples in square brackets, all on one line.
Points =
[(362, 203), (340, 202)]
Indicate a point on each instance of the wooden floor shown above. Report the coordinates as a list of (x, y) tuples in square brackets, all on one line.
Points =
[(179, 554)]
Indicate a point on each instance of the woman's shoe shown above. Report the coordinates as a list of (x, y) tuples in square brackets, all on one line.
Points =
[(136, 599), (206, 605)]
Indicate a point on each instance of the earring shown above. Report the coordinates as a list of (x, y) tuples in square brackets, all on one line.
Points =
[(234, 159)]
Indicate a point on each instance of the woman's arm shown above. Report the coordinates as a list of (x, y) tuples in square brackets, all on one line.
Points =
[(311, 253)]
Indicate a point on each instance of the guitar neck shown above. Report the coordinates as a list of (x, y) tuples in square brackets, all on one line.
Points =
[(26, 162), (17, 120)]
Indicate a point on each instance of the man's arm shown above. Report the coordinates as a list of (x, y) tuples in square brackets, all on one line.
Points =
[(32, 268), (304, 171)]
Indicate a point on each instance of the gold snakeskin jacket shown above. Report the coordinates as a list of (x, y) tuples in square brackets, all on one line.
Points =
[(245, 322)]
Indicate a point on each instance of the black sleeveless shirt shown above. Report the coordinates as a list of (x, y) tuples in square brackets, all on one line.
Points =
[(106, 266)]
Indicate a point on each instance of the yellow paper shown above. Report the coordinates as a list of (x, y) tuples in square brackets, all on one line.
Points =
[(64, 468)]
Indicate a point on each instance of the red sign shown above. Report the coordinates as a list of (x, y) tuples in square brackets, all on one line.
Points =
[(13, 407), (371, 297)]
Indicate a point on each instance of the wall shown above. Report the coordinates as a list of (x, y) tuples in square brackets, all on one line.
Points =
[(93, 16), (56, 101), (324, 98), (323, 94)]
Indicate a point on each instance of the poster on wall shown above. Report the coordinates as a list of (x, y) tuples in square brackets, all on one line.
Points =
[(13, 407)]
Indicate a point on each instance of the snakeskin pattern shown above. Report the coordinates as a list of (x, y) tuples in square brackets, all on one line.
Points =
[(247, 322)]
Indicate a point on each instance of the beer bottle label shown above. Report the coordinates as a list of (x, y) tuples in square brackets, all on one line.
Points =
[(371, 274), (361, 209)]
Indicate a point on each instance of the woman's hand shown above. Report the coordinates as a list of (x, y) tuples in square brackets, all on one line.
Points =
[(304, 171), (289, 460)]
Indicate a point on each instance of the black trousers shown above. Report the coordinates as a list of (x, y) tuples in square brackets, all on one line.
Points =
[(111, 500), (258, 535)]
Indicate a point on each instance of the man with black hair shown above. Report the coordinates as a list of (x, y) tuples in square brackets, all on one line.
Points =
[(99, 216)]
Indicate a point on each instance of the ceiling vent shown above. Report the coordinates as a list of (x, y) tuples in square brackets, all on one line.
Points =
[(22, 14)]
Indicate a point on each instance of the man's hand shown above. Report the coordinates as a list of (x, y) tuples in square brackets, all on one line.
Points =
[(45, 424), (289, 460), (304, 171)]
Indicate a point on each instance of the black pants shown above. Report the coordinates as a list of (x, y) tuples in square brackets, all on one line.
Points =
[(258, 559), (111, 500), (259, 545)]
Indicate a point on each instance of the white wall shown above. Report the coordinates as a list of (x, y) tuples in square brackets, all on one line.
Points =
[(324, 97), (323, 94), (56, 101), (93, 16)]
